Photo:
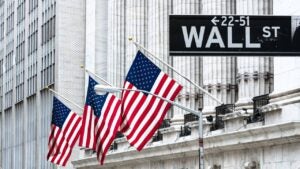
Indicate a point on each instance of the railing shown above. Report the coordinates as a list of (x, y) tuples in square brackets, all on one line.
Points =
[(165, 124), (185, 131), (258, 102), (190, 118), (114, 146), (220, 111), (157, 137), (119, 135)]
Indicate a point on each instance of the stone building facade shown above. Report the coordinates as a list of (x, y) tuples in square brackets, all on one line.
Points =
[(42, 43), (258, 127)]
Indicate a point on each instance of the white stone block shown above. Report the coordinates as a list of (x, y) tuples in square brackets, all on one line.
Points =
[(273, 154), (291, 152), (295, 164)]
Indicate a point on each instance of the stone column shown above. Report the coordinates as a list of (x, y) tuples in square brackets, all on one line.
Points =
[(136, 27), (116, 43), (219, 72), (101, 30), (158, 32), (187, 65), (254, 74), (90, 35)]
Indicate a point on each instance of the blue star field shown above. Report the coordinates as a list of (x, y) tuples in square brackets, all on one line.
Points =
[(143, 73), (60, 113), (94, 100)]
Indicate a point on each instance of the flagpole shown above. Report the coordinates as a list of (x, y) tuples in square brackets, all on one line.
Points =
[(89, 71), (70, 101), (111, 89), (171, 102), (169, 66), (201, 145), (116, 89)]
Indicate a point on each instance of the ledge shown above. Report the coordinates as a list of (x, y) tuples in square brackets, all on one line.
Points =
[(168, 130), (295, 92), (235, 115), (252, 138), (181, 148), (282, 100), (259, 136)]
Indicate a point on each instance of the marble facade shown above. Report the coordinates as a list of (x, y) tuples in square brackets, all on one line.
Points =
[(268, 144)]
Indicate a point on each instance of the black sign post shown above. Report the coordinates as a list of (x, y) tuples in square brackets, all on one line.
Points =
[(234, 35)]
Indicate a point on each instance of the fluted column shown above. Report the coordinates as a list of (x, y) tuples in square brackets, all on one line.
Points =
[(136, 27), (158, 30), (255, 74), (101, 30), (188, 65), (90, 35), (116, 42), (219, 72), (96, 37)]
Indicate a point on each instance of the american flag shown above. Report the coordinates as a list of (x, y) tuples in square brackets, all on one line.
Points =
[(101, 121), (88, 123), (143, 113), (65, 131)]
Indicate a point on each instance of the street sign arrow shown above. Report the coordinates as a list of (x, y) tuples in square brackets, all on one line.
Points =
[(214, 20)]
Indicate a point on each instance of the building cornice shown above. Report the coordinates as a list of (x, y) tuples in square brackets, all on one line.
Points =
[(260, 136), (184, 147), (278, 100), (188, 146)]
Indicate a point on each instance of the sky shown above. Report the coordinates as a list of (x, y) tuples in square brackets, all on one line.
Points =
[(286, 7)]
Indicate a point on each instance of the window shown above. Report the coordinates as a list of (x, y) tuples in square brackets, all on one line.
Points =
[(1, 84), (32, 54), (20, 63), (20, 11), (33, 4), (9, 57), (8, 79), (1, 20), (48, 41), (10, 17)]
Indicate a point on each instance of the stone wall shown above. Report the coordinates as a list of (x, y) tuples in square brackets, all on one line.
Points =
[(269, 144)]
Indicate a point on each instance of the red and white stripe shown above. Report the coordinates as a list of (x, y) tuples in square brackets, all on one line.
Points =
[(107, 126), (61, 141), (143, 114), (99, 133), (87, 131)]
